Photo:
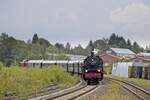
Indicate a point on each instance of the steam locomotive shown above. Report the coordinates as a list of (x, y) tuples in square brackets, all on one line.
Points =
[(92, 70)]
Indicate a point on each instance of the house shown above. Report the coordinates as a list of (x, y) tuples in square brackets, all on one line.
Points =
[(144, 55), (125, 63), (111, 56), (120, 52)]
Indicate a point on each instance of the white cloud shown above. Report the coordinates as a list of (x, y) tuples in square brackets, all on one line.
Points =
[(132, 13)]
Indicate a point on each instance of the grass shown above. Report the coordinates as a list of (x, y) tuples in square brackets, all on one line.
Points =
[(23, 81), (143, 82), (113, 92)]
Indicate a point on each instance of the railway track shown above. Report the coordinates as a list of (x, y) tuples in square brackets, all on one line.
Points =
[(139, 92), (70, 93), (46, 90), (74, 94)]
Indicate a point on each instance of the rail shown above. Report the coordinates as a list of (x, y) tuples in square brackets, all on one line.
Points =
[(134, 89)]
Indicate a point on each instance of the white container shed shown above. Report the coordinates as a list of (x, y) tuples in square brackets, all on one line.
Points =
[(121, 68)]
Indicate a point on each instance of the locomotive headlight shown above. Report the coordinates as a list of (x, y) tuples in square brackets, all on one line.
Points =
[(86, 71), (98, 70)]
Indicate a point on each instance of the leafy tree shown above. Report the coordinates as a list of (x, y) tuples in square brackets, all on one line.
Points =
[(90, 47), (100, 44), (59, 46), (62, 57), (13, 51), (78, 50), (7, 49), (136, 48), (117, 41), (122, 43), (44, 42), (52, 49)]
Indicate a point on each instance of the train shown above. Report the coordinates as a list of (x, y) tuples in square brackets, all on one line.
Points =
[(92, 69)]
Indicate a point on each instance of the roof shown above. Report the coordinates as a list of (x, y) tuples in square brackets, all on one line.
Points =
[(141, 58), (53, 61), (110, 56), (35, 61), (122, 51), (143, 54)]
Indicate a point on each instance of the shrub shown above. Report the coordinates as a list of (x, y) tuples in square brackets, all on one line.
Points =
[(24, 81)]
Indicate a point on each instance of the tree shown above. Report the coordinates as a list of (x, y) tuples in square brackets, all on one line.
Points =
[(129, 45), (44, 42), (100, 44), (68, 47), (35, 38), (90, 47), (136, 48), (148, 48), (113, 39), (78, 50), (62, 57), (122, 43), (59, 46), (7, 49)]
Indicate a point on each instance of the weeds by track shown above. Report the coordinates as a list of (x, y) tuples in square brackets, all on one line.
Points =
[(134, 89)]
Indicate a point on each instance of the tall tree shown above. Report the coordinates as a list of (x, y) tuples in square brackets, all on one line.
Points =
[(129, 45), (113, 39), (148, 48), (122, 42), (136, 48), (68, 47), (35, 38), (90, 47)]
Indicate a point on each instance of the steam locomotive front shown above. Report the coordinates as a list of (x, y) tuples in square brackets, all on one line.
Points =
[(93, 68)]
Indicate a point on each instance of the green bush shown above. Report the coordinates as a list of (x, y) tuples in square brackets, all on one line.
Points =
[(24, 81)]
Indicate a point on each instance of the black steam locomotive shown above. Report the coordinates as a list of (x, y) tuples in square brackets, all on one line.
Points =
[(92, 70)]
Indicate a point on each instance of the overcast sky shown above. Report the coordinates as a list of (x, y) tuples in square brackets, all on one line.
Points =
[(76, 21)]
